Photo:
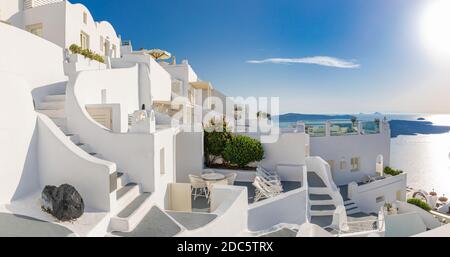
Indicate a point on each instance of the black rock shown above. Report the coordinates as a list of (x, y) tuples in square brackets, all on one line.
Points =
[(63, 202)]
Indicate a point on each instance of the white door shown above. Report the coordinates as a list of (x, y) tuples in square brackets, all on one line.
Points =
[(102, 115)]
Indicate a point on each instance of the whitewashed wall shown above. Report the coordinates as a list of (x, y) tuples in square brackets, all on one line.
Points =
[(288, 208), (366, 147), (288, 150), (18, 139), (155, 82), (62, 162), (365, 196), (133, 153), (121, 86), (63, 22), (189, 155), (35, 153), (53, 19), (164, 139), (230, 205), (9, 10), (38, 61)]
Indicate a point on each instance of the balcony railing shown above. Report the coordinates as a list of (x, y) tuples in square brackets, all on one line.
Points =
[(342, 127), (28, 4)]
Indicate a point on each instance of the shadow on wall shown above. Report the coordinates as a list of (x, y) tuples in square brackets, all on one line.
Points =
[(29, 180), (413, 128), (52, 89)]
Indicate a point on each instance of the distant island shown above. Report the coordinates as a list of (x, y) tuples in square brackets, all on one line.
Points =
[(294, 117), (421, 119), (413, 128)]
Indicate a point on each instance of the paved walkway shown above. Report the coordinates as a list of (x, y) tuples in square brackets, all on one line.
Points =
[(13, 225)]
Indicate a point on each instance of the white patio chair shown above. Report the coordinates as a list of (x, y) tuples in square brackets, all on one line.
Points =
[(268, 176), (265, 190), (231, 178), (198, 186)]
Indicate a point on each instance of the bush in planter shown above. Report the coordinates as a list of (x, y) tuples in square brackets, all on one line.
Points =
[(75, 49), (216, 137), (419, 203), (242, 150), (392, 172)]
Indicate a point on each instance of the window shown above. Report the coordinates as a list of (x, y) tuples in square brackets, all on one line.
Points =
[(380, 199), (342, 164), (85, 18), (84, 40), (162, 161), (114, 51), (36, 29), (102, 43), (331, 163), (355, 163)]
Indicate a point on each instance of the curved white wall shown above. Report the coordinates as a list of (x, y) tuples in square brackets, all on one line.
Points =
[(61, 162), (35, 153), (133, 153), (18, 139)]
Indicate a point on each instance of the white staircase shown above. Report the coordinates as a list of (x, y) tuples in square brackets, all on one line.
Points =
[(54, 107), (321, 202), (132, 204), (351, 207)]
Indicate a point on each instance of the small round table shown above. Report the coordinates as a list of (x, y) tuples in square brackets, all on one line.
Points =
[(213, 177)]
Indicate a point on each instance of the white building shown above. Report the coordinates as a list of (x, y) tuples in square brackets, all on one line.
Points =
[(130, 166), (63, 24)]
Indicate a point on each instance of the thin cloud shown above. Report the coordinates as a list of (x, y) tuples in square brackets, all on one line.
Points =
[(318, 60)]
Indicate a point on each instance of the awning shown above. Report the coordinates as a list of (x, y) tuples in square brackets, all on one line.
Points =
[(202, 85)]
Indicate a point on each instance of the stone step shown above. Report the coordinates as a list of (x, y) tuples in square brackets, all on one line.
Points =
[(353, 211), (53, 113), (84, 147), (350, 206), (314, 180), (348, 202), (55, 98), (60, 121), (322, 221), (74, 138), (121, 180), (96, 155), (322, 213), (64, 129), (322, 202), (319, 190), (130, 216), (52, 105), (319, 197), (126, 195), (323, 208)]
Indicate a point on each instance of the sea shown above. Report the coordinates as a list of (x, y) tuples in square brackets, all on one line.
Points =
[(420, 146)]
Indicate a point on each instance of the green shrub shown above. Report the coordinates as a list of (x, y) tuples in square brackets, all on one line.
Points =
[(392, 172), (216, 137), (242, 150), (419, 203), (75, 49)]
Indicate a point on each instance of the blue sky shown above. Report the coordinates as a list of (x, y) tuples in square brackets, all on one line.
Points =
[(390, 71)]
